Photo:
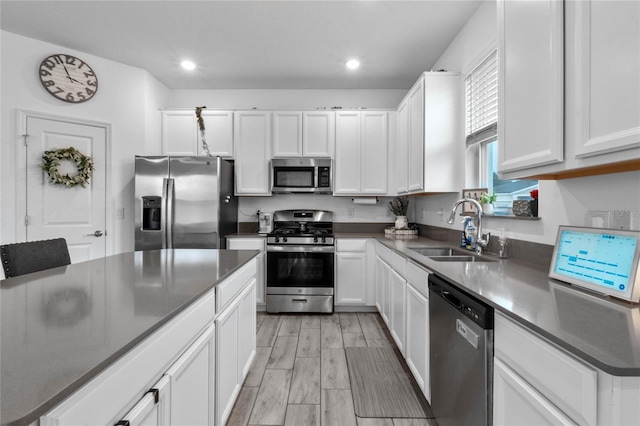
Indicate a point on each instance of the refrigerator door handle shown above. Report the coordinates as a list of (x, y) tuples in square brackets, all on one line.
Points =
[(169, 217)]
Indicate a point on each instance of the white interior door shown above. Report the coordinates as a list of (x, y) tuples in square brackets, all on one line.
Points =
[(75, 213)]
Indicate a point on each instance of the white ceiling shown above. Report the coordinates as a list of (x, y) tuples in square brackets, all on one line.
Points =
[(237, 44)]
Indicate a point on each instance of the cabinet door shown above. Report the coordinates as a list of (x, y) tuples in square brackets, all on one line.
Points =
[(417, 347), (252, 136), (192, 382), (227, 362), (397, 291), (287, 134), (374, 153), (218, 133), (319, 133), (246, 330), (530, 80), (179, 133), (402, 148), (515, 402), (351, 278), (382, 289), (348, 153), (416, 138), (607, 97), (153, 408)]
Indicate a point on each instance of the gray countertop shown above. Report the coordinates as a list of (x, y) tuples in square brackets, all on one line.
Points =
[(601, 330), (63, 326)]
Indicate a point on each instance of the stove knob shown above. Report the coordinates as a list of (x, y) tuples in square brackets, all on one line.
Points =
[(315, 239), (277, 239), (284, 239), (324, 240)]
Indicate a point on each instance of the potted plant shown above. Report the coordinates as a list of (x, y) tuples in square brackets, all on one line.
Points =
[(487, 200), (398, 206)]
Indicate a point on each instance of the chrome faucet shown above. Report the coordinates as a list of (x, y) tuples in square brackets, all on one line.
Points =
[(481, 242)]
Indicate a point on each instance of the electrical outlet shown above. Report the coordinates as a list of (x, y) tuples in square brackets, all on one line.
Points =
[(423, 214), (120, 213), (350, 212)]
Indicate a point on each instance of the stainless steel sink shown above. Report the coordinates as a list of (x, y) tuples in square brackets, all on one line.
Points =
[(448, 254), (438, 251), (465, 258)]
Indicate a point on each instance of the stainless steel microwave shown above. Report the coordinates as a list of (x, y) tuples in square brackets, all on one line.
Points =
[(301, 175)]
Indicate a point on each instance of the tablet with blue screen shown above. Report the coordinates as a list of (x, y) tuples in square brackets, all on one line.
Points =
[(602, 260)]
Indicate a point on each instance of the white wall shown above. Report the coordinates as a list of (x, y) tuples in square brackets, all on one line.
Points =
[(563, 202), (128, 99)]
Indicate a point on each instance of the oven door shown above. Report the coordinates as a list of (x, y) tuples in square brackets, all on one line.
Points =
[(291, 268)]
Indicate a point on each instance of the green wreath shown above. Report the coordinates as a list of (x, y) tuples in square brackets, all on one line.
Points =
[(51, 162)]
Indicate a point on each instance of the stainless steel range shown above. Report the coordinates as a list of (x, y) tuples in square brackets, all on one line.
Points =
[(300, 275)]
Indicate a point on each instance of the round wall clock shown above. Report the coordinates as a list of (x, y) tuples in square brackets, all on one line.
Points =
[(68, 78)]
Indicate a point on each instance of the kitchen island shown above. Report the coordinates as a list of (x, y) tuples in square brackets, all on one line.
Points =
[(66, 327)]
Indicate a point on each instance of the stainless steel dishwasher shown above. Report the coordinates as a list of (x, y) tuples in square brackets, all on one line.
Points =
[(461, 330)]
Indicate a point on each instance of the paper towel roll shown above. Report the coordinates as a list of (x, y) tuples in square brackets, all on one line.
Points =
[(365, 200)]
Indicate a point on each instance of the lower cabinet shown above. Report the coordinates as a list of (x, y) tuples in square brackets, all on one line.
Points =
[(517, 402), (235, 344), (397, 295), (382, 289), (254, 243), (417, 344), (192, 390)]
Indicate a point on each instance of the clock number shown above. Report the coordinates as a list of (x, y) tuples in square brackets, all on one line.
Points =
[(44, 73), (81, 96), (89, 74), (91, 83), (48, 83), (49, 64), (71, 60), (58, 91), (90, 92), (70, 97)]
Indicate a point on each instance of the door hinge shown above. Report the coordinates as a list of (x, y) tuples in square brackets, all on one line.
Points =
[(26, 220), (26, 140)]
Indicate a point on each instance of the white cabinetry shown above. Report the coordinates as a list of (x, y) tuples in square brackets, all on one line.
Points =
[(192, 383), (153, 409), (397, 297), (351, 271), (361, 153), (252, 138), (530, 79), (257, 243), (318, 133), (181, 136), (287, 134), (303, 134), (235, 349), (548, 377), (601, 97), (429, 155), (417, 341), (382, 288)]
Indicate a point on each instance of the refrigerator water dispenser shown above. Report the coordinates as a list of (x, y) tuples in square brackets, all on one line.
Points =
[(151, 213)]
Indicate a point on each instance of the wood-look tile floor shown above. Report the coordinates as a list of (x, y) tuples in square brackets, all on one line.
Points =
[(300, 375)]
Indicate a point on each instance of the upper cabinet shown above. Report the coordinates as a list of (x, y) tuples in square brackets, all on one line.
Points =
[(429, 151), (252, 137), (361, 153), (594, 48), (303, 134), (530, 83), (181, 135)]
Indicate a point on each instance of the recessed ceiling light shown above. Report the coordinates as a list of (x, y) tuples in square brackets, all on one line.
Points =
[(352, 64), (188, 65)]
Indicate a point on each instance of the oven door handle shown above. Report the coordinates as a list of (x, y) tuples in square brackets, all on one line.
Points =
[(301, 249)]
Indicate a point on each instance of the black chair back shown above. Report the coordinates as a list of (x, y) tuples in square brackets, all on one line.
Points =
[(33, 256)]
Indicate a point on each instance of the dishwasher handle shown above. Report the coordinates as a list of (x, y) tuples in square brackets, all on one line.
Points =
[(453, 300)]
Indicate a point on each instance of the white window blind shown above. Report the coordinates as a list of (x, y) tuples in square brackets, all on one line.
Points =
[(481, 91)]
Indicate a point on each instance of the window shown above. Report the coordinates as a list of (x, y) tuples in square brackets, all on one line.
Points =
[(481, 124)]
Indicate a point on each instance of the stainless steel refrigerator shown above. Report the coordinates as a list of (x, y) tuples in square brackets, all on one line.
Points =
[(184, 202)]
